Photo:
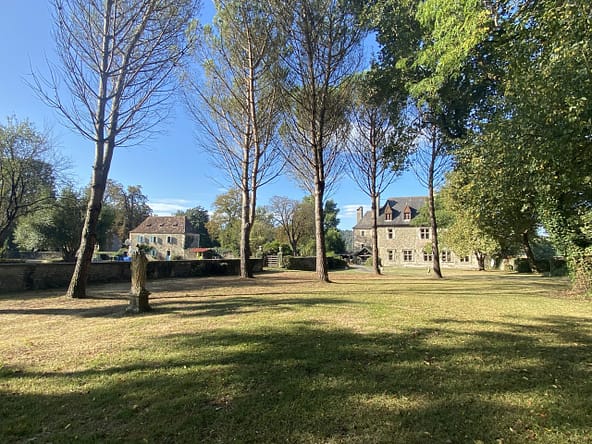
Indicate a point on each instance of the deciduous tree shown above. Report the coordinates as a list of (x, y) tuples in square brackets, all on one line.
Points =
[(323, 38), (117, 63), (376, 149), (27, 173), (238, 102)]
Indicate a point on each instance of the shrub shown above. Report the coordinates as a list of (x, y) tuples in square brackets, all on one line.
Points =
[(308, 263)]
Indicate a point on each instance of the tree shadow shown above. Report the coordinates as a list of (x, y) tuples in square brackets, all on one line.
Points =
[(510, 382)]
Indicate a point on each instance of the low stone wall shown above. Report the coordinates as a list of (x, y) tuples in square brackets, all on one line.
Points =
[(37, 276)]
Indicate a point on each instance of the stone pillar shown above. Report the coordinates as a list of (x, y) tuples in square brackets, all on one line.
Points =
[(139, 294)]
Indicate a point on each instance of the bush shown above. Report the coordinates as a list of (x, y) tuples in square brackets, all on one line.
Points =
[(308, 263), (552, 266)]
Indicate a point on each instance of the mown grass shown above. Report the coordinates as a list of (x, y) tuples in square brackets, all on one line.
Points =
[(403, 358)]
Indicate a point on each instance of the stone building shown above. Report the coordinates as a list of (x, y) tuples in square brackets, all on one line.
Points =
[(401, 243), (167, 237)]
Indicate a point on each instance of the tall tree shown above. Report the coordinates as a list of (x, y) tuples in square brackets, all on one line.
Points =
[(117, 60), (440, 107), (430, 162), (27, 173), (238, 103), (323, 38), (376, 150)]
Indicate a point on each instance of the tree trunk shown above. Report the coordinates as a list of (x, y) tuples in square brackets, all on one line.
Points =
[(78, 282), (480, 260), (529, 252), (245, 246), (139, 295), (375, 257), (433, 221), (321, 253)]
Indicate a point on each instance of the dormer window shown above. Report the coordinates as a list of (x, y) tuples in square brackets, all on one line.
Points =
[(407, 213), (388, 213)]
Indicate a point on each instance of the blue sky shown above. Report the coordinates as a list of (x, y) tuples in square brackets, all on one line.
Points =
[(171, 169)]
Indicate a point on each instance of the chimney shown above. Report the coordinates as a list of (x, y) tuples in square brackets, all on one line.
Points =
[(360, 214)]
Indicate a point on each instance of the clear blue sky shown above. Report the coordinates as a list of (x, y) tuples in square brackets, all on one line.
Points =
[(172, 171)]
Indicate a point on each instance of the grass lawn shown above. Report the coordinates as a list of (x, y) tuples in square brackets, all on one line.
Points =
[(403, 358)]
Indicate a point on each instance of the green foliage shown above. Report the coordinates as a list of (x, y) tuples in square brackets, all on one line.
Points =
[(199, 217), (58, 228), (334, 241), (444, 215), (129, 207), (27, 174)]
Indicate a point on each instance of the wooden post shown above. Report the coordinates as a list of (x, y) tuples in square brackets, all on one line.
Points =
[(139, 294)]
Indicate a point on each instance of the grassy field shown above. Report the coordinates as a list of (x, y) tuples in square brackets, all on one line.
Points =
[(403, 358)]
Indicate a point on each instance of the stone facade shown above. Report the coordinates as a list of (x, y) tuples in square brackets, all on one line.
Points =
[(400, 242), (167, 237)]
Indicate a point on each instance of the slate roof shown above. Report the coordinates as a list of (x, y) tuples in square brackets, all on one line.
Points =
[(164, 225), (397, 206)]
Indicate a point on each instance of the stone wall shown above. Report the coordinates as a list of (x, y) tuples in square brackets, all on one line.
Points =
[(38, 276)]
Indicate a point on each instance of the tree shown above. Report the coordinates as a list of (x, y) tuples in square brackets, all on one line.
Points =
[(323, 38), (199, 218), (224, 224), (27, 173), (58, 227), (117, 61), (461, 232), (129, 205), (286, 214), (238, 104), (430, 161), (263, 231), (376, 152), (404, 31)]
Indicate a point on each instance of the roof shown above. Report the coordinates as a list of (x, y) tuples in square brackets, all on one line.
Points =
[(164, 225), (396, 206)]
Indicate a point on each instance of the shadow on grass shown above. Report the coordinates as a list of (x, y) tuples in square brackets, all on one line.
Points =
[(201, 306), (306, 383)]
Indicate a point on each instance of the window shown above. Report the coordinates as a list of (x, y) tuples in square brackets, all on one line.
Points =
[(407, 215), (446, 256), (391, 255), (427, 257), (407, 255), (390, 233), (464, 259), (169, 239), (153, 239), (141, 239), (424, 233), (388, 216), (363, 233)]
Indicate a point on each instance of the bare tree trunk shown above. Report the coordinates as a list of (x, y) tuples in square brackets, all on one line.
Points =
[(139, 295), (78, 282), (434, 226), (375, 256), (245, 248), (321, 253)]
